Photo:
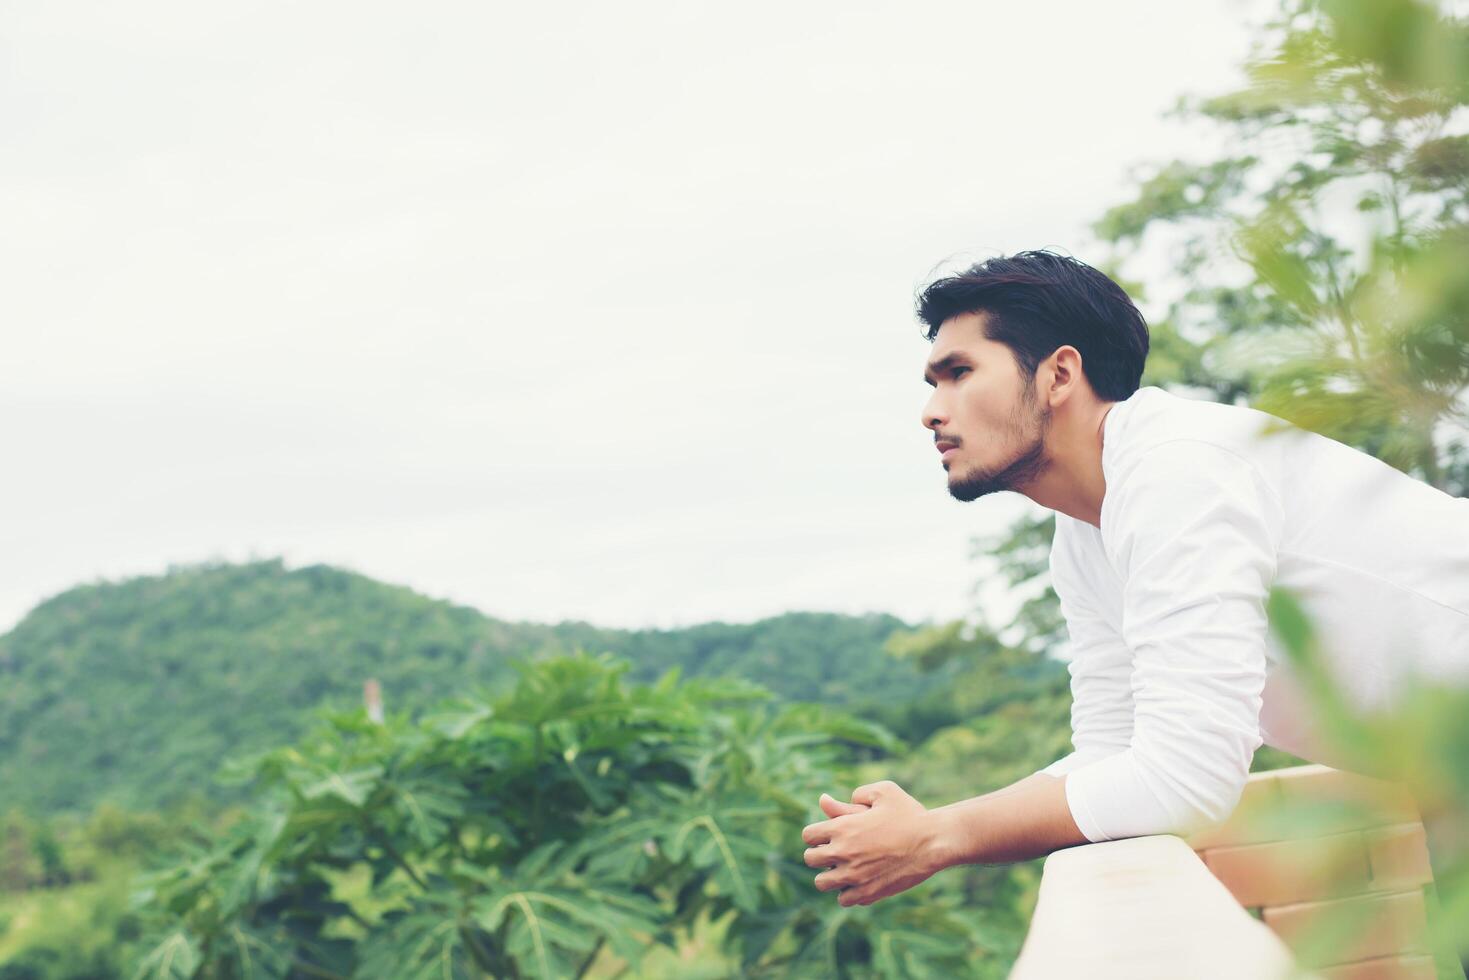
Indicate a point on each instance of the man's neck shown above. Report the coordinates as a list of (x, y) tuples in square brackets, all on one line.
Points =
[(1073, 484)]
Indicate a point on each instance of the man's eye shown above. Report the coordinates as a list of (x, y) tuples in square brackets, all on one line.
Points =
[(958, 369)]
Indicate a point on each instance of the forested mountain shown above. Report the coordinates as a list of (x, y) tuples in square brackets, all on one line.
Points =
[(135, 691)]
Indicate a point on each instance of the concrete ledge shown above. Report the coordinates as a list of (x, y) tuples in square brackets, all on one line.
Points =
[(1143, 908)]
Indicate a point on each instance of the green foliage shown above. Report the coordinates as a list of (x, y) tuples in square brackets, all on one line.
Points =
[(143, 687), (1321, 264), (819, 657), (564, 821), (1324, 268), (1325, 284), (992, 666), (574, 820), (77, 932), (1421, 744), (1005, 715)]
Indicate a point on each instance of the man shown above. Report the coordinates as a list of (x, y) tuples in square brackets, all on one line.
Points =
[(1174, 518)]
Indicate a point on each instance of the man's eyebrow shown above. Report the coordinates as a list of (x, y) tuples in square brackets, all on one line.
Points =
[(944, 363)]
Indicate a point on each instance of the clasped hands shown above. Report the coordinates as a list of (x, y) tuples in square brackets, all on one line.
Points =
[(881, 843)]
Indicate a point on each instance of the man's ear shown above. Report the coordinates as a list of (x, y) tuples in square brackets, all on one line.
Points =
[(1062, 375)]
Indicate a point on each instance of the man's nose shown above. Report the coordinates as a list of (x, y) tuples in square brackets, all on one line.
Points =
[(933, 414)]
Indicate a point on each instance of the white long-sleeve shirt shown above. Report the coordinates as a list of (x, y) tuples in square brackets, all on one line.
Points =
[(1176, 677)]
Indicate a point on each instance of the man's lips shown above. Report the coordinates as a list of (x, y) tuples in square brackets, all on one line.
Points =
[(944, 445)]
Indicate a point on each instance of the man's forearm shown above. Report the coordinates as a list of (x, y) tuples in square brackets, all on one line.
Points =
[(1019, 784), (1027, 819)]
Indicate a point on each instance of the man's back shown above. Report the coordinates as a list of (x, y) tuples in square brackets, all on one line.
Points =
[(1380, 559), (1206, 507)]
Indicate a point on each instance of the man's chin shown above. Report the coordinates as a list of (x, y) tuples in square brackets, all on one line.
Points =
[(975, 484), (1022, 471), (969, 488), (966, 494)]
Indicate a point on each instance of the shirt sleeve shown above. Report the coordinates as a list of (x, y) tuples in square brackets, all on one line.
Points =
[(1100, 664), (1191, 531)]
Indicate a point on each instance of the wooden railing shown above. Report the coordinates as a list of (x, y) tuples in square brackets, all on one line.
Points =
[(1143, 908), (1306, 850), (1365, 861)]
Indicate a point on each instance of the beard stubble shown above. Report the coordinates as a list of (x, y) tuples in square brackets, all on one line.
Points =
[(1029, 428)]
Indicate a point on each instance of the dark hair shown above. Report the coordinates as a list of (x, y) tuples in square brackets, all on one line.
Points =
[(1035, 302)]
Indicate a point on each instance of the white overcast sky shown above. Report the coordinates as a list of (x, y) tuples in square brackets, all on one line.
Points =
[(594, 311)]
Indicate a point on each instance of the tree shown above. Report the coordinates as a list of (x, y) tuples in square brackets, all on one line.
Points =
[(572, 822), (1324, 261), (1321, 260)]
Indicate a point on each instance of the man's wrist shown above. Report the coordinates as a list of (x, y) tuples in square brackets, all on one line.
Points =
[(942, 842), (1024, 820)]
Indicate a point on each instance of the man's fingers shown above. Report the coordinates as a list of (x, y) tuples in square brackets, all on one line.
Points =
[(819, 857), (833, 807), (831, 880), (817, 833), (873, 792), (851, 896)]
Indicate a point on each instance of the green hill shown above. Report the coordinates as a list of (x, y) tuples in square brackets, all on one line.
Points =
[(135, 691)]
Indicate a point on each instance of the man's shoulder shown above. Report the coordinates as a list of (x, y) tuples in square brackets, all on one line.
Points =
[(1160, 430)]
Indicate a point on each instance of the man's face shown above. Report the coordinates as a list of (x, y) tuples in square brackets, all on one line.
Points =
[(985, 410)]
